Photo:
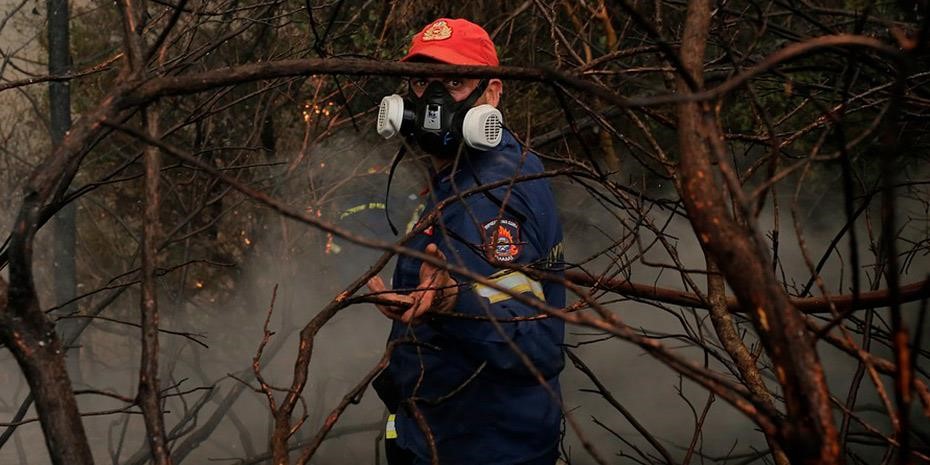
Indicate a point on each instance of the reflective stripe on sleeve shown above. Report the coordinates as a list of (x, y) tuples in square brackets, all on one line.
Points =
[(390, 432), (514, 281)]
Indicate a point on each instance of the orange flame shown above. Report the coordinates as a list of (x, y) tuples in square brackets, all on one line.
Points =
[(504, 237), (502, 232)]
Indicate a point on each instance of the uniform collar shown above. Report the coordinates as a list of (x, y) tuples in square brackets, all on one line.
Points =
[(440, 179)]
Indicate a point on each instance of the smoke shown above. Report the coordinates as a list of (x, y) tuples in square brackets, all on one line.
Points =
[(655, 395), (310, 268)]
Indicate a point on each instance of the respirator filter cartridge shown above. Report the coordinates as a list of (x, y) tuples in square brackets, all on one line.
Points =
[(482, 128), (390, 116)]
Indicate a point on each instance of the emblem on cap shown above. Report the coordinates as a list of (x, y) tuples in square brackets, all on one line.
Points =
[(439, 30)]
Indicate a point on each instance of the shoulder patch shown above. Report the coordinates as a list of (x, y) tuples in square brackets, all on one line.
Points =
[(502, 240)]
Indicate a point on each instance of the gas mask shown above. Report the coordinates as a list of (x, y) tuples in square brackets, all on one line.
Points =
[(438, 123)]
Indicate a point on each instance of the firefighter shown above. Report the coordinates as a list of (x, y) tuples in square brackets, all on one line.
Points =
[(474, 395)]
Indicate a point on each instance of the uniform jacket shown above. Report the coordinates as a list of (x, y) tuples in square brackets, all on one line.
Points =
[(481, 402)]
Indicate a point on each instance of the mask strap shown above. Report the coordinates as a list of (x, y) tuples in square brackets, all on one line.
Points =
[(476, 94), (387, 193)]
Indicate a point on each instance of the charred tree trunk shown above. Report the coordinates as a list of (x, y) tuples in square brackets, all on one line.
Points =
[(31, 337), (808, 433), (59, 106)]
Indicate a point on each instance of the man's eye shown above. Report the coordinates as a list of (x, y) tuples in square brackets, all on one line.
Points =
[(453, 83), (419, 82)]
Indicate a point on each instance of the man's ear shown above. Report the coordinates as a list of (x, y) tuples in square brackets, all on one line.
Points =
[(492, 95)]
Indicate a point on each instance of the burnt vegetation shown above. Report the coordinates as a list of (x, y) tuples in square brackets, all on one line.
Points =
[(752, 175)]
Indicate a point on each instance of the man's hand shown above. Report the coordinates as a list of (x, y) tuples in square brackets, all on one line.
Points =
[(436, 292), (394, 312)]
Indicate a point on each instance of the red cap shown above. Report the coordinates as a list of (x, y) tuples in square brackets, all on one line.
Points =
[(454, 41)]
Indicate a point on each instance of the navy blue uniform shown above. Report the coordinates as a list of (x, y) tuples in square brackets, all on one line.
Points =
[(503, 415)]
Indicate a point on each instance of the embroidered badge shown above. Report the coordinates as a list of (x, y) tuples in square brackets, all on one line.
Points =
[(440, 30), (503, 240)]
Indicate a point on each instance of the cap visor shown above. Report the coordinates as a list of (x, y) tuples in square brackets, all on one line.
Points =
[(443, 55)]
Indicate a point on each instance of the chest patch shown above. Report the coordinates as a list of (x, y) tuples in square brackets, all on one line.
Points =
[(502, 240)]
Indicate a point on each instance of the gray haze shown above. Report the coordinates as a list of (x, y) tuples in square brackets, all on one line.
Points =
[(354, 340)]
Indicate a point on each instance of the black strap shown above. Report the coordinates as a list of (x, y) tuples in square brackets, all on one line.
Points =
[(387, 193)]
